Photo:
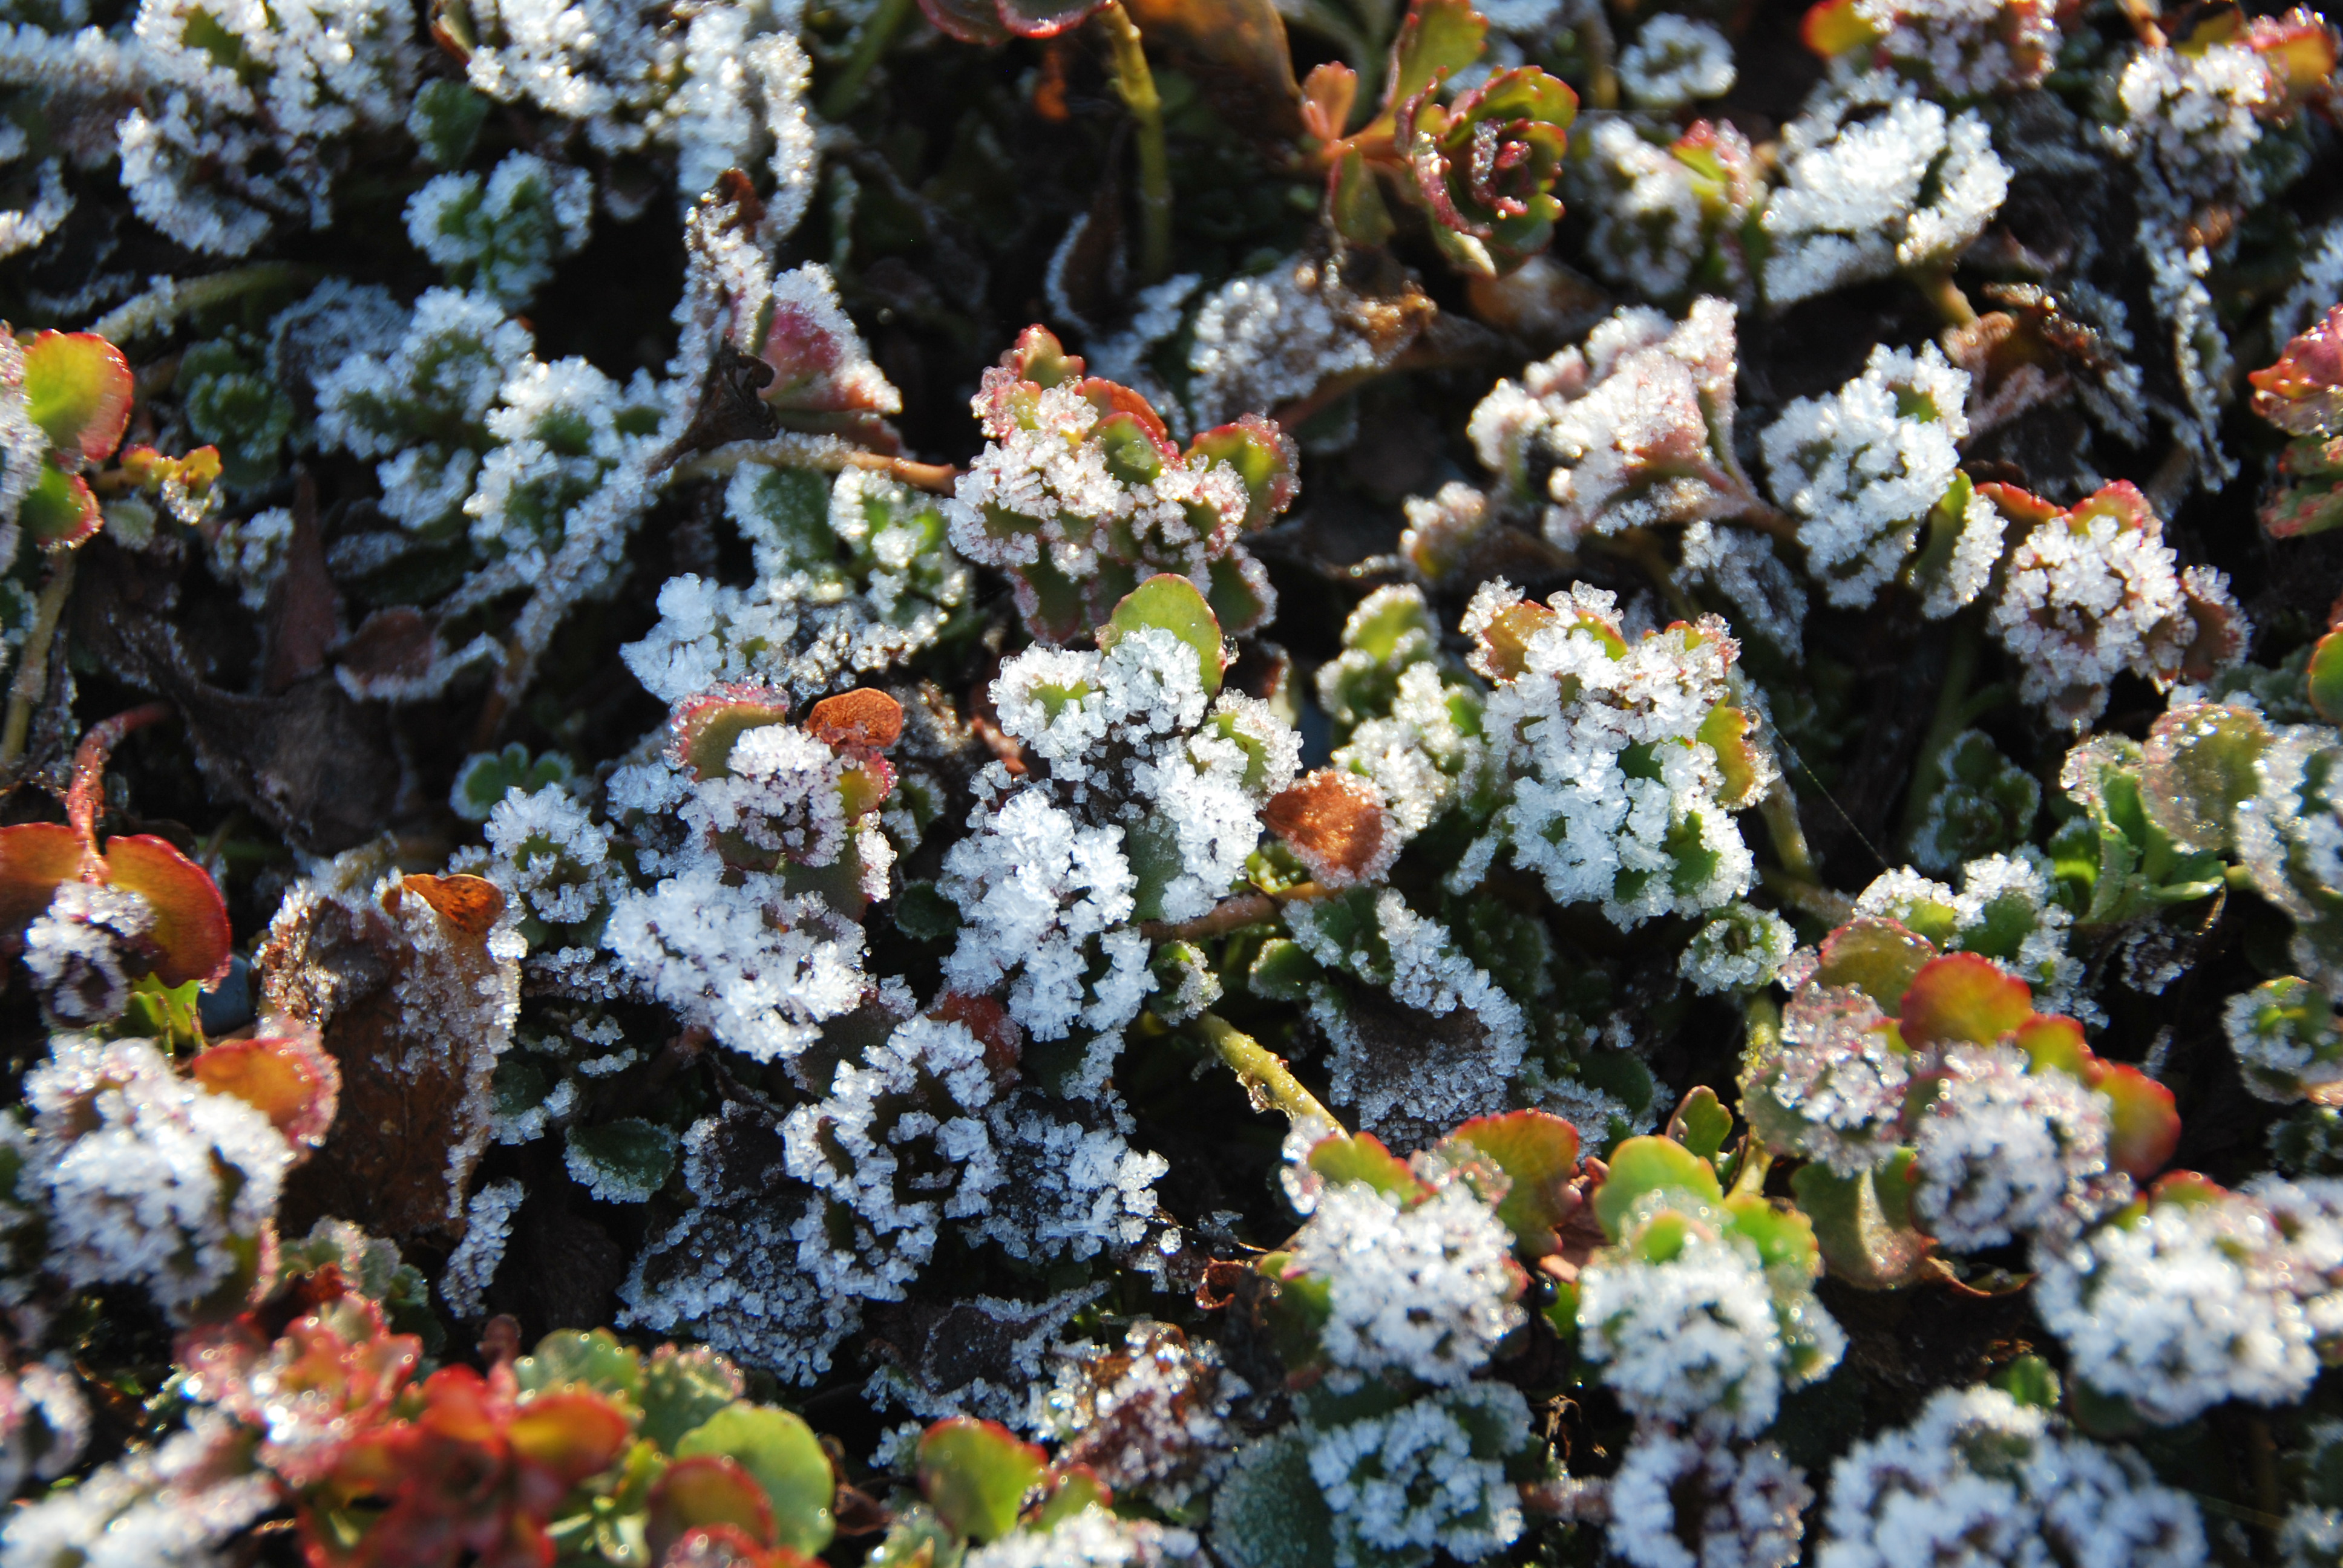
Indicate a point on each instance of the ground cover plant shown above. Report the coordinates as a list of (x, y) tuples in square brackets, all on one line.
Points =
[(1020, 783)]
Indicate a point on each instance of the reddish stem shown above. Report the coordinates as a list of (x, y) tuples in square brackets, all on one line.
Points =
[(87, 793)]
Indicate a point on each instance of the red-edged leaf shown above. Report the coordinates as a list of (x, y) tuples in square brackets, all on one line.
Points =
[(728, 1547), (60, 511), (1170, 602), (1538, 1153), (2021, 507), (190, 920), (1038, 357), (1264, 457), (2147, 1126), (1651, 1164), (571, 1434), (77, 390), (289, 1079), (970, 21), (975, 1475), (707, 1490), (1963, 997), (1046, 18), (1880, 957), (706, 726), (35, 857), (2054, 1040), (1362, 1156)]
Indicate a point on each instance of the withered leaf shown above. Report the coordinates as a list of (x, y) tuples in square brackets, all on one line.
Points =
[(414, 989)]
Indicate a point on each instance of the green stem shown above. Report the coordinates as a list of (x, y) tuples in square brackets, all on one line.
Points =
[(1937, 283), (1136, 84), (33, 672), (877, 33), (166, 302), (1779, 808), (1263, 1072), (1755, 1161), (1952, 701), (1825, 904)]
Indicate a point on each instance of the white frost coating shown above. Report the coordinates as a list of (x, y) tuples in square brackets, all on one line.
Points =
[(1578, 817), (2287, 1043), (2094, 592), (1874, 180), (550, 856), (2190, 121), (1734, 1505), (2000, 894), (472, 1266), (1979, 1478), (1418, 754), (1427, 1292), (2320, 285), (1657, 215), (455, 356), (1741, 949), (1414, 1481), (900, 1144), (1836, 1074), (2196, 1302), (1861, 468), (1766, 597), (147, 1177), (1638, 424), (1263, 342), (1080, 1190), (724, 90), (2003, 1151), (1674, 60), (175, 1505), (1962, 49), (503, 236), (1148, 1414), (1695, 1340), (80, 949), (755, 965), (1095, 1538), (249, 554)]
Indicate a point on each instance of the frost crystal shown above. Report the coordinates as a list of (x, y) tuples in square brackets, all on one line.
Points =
[(1741, 949), (502, 238), (1838, 1077), (1674, 60), (2094, 591), (1681, 1503), (1980, 1478), (1864, 469), (1427, 1478), (172, 1506), (1260, 342), (82, 952), (2003, 1150), (1150, 1414), (1426, 1291), (1632, 430), (1093, 1538), (2197, 1296), (1964, 49), (147, 1177), (1616, 797), (2287, 1046), (2007, 909), (1874, 180)]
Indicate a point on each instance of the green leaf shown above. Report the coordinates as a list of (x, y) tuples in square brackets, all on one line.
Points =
[(1650, 1164), (1878, 957), (1281, 970), (682, 1387), (2031, 1381), (1700, 1123), (2326, 678), (1538, 1153), (1861, 1242), (621, 1161), (1362, 1156), (1438, 39), (1270, 1512), (781, 1450), (975, 1475), (77, 390), (1170, 603), (2198, 767), (59, 511), (596, 1361), (446, 120)]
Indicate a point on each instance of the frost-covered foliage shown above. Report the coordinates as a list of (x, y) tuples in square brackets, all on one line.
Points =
[(1621, 760), (1980, 1475), (1876, 180), (1870, 467), (630, 850)]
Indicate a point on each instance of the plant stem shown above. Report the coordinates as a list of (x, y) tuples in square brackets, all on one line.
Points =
[(1823, 903), (166, 302), (877, 33), (33, 671), (1946, 295), (1779, 808), (1136, 84), (827, 453), (1263, 1073), (1951, 716), (1755, 1161)]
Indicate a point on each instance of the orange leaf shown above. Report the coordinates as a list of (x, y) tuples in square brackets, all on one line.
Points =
[(471, 904), (190, 920), (35, 857), (708, 1489), (1335, 823), (2146, 1125), (288, 1079), (1963, 997), (862, 720), (573, 1434)]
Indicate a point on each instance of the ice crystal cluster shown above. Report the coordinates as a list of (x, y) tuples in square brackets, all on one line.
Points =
[(1266, 783)]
